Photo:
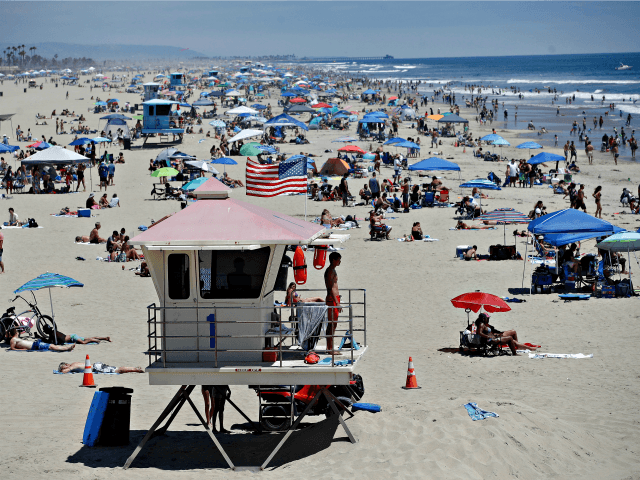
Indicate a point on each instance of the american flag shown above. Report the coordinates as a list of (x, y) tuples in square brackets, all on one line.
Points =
[(276, 179)]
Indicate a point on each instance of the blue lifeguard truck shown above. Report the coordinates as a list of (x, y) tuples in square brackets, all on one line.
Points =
[(176, 80), (160, 118)]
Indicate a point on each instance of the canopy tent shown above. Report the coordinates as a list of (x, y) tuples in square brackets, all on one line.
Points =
[(544, 157), (7, 117), (299, 109), (393, 140), (115, 116), (116, 124), (284, 120), (202, 165), (248, 133), (334, 166), (453, 118), (559, 239), (55, 155), (435, 163), (567, 222)]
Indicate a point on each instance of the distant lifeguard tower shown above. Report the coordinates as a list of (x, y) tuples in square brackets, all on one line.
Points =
[(151, 90), (213, 73), (160, 118), (216, 266), (177, 80)]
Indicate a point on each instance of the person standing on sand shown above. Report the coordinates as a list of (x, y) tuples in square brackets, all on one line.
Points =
[(614, 152), (333, 299), (633, 144), (580, 199), (1, 249), (597, 194), (589, 150)]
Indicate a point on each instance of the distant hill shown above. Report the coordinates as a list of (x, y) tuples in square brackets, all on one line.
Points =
[(112, 52)]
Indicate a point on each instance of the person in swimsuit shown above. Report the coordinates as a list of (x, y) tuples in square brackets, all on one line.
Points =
[(17, 343), (597, 195), (491, 334), (416, 231), (98, 367), (463, 226), (215, 397), (80, 175), (94, 237), (73, 338), (333, 299), (293, 297)]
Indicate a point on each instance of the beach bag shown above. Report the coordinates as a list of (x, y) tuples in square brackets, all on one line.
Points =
[(122, 257), (32, 223)]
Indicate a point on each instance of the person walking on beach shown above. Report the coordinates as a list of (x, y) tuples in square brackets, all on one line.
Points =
[(614, 152), (633, 144), (566, 152), (589, 151), (555, 141), (580, 199), (574, 152), (333, 299), (1, 250), (597, 194), (374, 186)]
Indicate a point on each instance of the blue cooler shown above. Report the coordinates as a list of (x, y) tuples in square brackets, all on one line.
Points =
[(608, 291), (461, 250), (84, 212)]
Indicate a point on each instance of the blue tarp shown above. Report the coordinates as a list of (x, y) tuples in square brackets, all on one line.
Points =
[(434, 163), (569, 221)]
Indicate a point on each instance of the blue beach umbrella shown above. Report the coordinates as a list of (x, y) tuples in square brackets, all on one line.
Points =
[(217, 123), (391, 141), (481, 183), (501, 142), (80, 141), (8, 148), (193, 184), (100, 140), (224, 161), (48, 281), (529, 145), (43, 146), (491, 137)]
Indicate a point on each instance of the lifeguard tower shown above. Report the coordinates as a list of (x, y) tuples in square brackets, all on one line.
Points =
[(177, 80), (216, 266), (151, 90), (213, 73), (160, 118)]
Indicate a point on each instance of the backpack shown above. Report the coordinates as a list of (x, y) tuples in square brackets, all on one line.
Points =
[(32, 223)]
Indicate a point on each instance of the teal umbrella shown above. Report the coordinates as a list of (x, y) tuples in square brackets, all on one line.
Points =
[(193, 184), (49, 280)]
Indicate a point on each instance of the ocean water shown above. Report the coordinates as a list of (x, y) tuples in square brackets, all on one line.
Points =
[(540, 85)]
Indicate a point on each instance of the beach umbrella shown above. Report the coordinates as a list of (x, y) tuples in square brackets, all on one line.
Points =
[(529, 145), (80, 141), (266, 149), (224, 161), (202, 165), (250, 149), (193, 184), (500, 142), (259, 106), (100, 140), (344, 140), (321, 105), (492, 137), (8, 148), (297, 100), (504, 216), (351, 148), (165, 172), (101, 103), (474, 301), (34, 144), (393, 140), (481, 183), (113, 100), (300, 109), (217, 123), (246, 134), (48, 281), (544, 157), (622, 242)]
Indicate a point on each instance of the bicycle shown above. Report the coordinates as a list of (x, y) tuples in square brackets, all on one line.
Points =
[(44, 323)]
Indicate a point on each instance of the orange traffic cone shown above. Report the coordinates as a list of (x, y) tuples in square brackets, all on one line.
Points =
[(412, 382), (87, 381)]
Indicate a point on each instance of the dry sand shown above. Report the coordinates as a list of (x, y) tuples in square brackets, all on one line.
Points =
[(558, 418)]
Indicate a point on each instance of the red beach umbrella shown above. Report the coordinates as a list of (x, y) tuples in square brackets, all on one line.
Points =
[(474, 301), (321, 105), (297, 100), (34, 145), (392, 98), (351, 148)]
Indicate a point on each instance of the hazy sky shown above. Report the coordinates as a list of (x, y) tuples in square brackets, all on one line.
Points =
[(402, 29)]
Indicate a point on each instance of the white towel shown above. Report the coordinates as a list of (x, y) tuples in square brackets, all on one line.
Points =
[(560, 355)]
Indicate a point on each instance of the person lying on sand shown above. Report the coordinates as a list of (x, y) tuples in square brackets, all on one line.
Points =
[(491, 334), (73, 338), (78, 367), (17, 343), (82, 239), (463, 226)]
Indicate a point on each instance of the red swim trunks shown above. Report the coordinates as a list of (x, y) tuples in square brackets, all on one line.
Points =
[(333, 312)]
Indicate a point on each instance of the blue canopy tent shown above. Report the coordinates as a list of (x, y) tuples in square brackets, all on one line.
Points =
[(544, 157), (370, 92), (567, 226), (285, 120), (453, 118), (435, 163), (393, 140)]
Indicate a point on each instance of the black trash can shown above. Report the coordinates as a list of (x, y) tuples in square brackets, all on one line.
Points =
[(127, 143), (117, 416)]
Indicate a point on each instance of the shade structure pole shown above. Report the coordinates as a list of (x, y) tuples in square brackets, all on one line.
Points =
[(524, 268), (55, 330)]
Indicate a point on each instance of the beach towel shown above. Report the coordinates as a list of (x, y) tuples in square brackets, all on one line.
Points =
[(56, 372), (474, 229), (476, 413), (339, 363), (67, 216), (24, 226), (560, 355)]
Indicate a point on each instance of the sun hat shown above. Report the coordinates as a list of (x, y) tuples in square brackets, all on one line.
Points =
[(92, 195)]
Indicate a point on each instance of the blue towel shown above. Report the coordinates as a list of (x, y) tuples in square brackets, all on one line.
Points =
[(477, 413), (56, 372)]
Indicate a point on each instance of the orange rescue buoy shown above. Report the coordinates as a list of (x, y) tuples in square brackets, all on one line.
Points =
[(320, 257), (299, 267)]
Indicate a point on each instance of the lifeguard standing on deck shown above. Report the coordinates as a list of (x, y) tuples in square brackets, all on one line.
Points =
[(333, 298)]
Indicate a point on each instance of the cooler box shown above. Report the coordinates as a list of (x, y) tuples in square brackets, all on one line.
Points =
[(609, 291), (84, 212), (461, 250)]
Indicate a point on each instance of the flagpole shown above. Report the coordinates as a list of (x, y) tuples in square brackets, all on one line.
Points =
[(306, 195)]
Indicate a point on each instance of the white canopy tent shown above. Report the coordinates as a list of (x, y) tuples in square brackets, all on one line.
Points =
[(248, 133)]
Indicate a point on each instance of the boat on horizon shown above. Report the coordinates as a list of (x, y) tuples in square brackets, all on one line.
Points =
[(622, 66)]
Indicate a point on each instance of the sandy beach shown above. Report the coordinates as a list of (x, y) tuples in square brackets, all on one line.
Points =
[(558, 418)]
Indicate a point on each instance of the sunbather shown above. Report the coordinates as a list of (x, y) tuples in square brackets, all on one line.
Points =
[(293, 297), (463, 226), (73, 338), (17, 343), (78, 367)]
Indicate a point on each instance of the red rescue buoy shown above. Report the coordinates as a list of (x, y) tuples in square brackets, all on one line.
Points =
[(320, 256), (299, 267)]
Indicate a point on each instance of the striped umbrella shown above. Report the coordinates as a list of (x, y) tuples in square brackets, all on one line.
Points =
[(49, 280), (505, 216)]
